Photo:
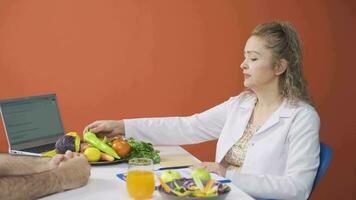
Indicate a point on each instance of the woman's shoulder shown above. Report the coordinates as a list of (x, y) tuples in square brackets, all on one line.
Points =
[(303, 109)]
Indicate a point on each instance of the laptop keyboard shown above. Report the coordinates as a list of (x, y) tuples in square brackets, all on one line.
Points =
[(41, 149)]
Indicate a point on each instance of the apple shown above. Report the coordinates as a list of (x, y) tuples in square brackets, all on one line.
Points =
[(170, 175), (92, 154), (200, 173)]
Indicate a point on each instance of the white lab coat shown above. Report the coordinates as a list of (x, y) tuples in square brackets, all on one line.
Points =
[(282, 157)]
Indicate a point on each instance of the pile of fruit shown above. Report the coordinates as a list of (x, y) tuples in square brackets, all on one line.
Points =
[(104, 149)]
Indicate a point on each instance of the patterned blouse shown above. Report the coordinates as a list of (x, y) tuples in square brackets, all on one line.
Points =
[(235, 157)]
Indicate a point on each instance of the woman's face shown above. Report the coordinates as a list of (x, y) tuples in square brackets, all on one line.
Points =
[(258, 67)]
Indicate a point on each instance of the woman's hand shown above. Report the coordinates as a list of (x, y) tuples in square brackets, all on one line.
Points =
[(109, 128), (212, 167)]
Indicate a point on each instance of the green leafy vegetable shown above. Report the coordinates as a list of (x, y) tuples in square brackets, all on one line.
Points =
[(140, 149)]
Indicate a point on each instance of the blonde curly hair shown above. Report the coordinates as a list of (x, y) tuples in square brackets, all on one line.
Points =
[(285, 43)]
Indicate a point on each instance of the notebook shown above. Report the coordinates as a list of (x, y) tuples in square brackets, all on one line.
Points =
[(32, 124), (174, 161)]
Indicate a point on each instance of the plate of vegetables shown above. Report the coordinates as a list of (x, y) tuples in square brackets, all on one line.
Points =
[(104, 151), (200, 186)]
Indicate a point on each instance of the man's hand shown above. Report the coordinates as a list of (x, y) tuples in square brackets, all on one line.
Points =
[(58, 158), (109, 128), (55, 161), (71, 169), (212, 167)]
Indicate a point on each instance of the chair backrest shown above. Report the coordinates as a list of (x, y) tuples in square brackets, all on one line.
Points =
[(325, 157)]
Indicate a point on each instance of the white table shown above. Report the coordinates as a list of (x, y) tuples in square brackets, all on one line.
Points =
[(104, 184)]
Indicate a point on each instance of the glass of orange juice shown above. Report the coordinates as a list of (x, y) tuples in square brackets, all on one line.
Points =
[(140, 178)]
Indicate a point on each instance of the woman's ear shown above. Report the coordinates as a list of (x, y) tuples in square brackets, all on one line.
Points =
[(281, 67)]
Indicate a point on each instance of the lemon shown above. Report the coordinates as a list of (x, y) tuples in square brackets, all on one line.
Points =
[(92, 154)]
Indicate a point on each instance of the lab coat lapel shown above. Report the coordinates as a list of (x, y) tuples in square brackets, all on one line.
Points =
[(244, 115), (283, 111), (240, 127)]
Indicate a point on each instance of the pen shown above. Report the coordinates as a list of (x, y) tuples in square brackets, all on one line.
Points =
[(177, 167)]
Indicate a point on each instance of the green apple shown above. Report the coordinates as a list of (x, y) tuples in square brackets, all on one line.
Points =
[(200, 173), (170, 175)]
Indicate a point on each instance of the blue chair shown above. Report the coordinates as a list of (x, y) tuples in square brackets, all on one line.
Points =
[(325, 157)]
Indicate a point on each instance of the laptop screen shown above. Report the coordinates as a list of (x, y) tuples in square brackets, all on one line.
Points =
[(31, 121)]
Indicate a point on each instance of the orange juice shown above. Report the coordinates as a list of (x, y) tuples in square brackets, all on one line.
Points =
[(140, 184)]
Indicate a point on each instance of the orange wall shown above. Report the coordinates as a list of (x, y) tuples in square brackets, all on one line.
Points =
[(120, 59)]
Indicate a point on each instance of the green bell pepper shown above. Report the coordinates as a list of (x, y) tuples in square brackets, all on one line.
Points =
[(91, 138)]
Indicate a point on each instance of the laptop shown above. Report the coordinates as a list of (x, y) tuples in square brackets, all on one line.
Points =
[(32, 124)]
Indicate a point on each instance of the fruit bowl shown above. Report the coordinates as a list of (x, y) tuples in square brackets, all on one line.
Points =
[(222, 190)]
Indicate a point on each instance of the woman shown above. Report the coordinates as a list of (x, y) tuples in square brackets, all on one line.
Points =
[(268, 136)]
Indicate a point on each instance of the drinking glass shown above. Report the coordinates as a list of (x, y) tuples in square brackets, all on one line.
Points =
[(140, 178)]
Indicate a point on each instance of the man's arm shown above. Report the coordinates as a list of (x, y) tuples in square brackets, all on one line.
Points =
[(11, 165), (71, 171), (30, 186)]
